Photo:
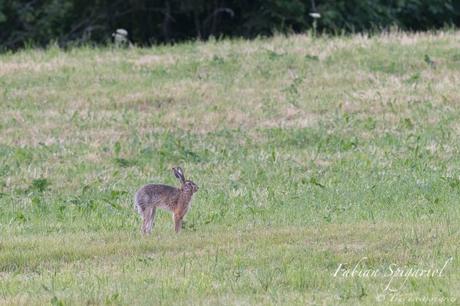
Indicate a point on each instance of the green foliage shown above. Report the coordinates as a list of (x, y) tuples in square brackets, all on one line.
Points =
[(40, 184), (358, 15), (70, 22)]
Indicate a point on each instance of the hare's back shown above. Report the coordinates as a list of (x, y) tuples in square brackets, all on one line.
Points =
[(154, 194)]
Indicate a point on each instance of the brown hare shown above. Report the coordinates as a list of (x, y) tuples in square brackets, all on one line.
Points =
[(176, 200)]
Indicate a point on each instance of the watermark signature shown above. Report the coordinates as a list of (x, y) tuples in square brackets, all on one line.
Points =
[(395, 277), (391, 273), (405, 299)]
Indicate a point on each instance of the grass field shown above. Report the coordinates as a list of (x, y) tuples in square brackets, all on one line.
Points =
[(314, 157)]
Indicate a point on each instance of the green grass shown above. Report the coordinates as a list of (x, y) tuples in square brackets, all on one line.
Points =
[(309, 153)]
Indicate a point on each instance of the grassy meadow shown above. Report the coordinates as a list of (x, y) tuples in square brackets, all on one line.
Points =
[(310, 153)]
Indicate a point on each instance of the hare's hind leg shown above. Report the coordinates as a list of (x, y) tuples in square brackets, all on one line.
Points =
[(149, 217), (178, 221), (141, 211)]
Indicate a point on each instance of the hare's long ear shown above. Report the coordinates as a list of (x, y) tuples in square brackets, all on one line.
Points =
[(179, 174)]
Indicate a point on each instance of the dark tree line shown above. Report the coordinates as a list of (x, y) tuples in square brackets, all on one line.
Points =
[(70, 22)]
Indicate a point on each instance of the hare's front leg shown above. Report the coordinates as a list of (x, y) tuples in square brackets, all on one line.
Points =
[(149, 217), (178, 216)]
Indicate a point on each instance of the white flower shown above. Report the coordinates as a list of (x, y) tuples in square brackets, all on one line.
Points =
[(122, 32)]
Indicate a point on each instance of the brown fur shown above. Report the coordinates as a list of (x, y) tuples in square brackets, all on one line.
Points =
[(176, 200)]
